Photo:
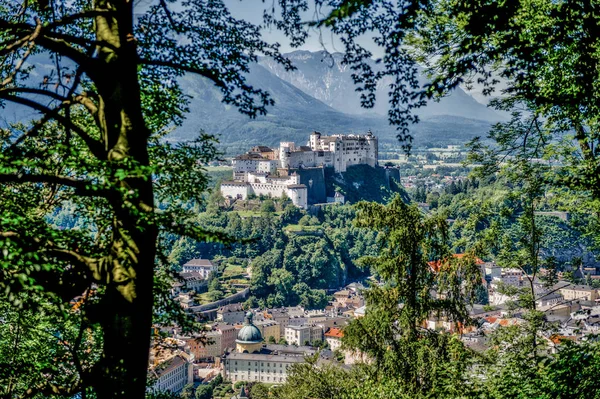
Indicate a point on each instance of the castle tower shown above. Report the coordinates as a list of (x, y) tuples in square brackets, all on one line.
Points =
[(315, 141)]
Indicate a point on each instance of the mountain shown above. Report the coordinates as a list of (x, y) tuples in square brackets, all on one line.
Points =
[(324, 77), (298, 110), (296, 113)]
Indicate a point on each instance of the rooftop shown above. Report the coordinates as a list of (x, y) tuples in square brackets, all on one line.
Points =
[(334, 333), (199, 262)]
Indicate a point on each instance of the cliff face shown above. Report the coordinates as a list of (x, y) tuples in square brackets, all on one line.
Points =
[(363, 182), (314, 180)]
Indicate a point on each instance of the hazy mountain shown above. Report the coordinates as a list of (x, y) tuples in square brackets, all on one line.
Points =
[(324, 77), (296, 114)]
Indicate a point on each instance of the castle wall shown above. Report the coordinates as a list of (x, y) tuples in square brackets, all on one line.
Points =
[(299, 196), (268, 189), (234, 190)]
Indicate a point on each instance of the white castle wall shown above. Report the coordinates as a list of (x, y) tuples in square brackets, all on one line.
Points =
[(234, 190), (261, 184)]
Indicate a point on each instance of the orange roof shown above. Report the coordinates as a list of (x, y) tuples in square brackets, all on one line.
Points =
[(491, 319), (558, 338), (435, 265), (334, 333), (504, 323)]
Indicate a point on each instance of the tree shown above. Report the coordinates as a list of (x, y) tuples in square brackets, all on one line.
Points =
[(108, 96), (204, 392), (259, 391), (414, 259), (187, 392), (267, 206)]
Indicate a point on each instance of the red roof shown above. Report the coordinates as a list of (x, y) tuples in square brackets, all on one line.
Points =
[(558, 338), (334, 333), (491, 319), (435, 265)]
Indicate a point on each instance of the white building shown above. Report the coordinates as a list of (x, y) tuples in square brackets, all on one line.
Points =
[(260, 183), (334, 336), (269, 368), (255, 173), (253, 162), (173, 374), (299, 335), (202, 266), (338, 151)]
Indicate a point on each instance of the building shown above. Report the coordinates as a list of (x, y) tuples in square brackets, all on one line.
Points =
[(172, 374), (208, 350), (254, 361), (265, 152), (269, 328), (338, 151), (250, 362), (253, 162), (281, 317), (193, 281), (263, 367), (232, 314), (334, 336), (299, 335), (582, 292), (202, 266), (249, 339), (262, 183), (265, 171), (228, 336)]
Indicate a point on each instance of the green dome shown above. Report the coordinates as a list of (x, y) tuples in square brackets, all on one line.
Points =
[(249, 333)]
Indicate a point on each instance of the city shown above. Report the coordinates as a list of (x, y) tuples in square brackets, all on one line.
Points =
[(367, 199)]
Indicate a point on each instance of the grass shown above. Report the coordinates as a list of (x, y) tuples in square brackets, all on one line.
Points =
[(233, 272), (253, 214), (297, 227), (218, 168)]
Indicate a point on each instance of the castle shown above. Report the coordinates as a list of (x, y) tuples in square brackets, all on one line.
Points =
[(266, 171), (338, 151)]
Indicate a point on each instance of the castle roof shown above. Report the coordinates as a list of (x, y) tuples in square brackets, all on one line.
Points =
[(249, 157), (261, 148), (296, 186)]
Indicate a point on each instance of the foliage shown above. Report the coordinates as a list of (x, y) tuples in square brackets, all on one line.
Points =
[(204, 392)]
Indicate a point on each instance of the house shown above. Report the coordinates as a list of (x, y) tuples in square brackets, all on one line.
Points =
[(582, 292), (202, 266), (334, 336), (231, 314)]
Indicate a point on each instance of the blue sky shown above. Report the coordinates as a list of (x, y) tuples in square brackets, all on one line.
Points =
[(252, 11)]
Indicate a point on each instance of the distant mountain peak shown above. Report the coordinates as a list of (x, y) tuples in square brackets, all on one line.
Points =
[(323, 76)]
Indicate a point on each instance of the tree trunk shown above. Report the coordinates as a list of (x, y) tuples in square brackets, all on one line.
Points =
[(126, 308)]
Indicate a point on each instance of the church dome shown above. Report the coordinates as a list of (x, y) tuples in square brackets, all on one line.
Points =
[(249, 333)]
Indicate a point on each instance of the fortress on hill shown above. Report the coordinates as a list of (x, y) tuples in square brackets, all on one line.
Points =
[(273, 172)]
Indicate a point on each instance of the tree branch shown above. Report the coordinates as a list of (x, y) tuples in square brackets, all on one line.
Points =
[(95, 146), (82, 187)]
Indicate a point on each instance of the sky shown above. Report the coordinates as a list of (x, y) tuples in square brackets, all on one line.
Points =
[(252, 11)]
